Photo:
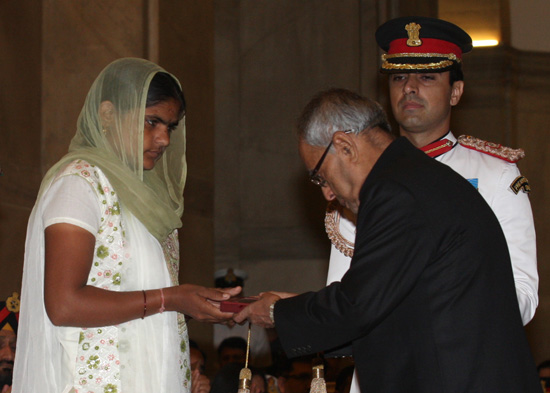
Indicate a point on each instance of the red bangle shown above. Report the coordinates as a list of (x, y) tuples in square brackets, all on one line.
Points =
[(144, 304), (161, 309)]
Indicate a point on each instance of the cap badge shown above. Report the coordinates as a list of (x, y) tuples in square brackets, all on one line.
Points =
[(12, 303), (413, 30)]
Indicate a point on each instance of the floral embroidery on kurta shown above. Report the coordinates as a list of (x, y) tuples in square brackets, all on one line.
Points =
[(171, 250)]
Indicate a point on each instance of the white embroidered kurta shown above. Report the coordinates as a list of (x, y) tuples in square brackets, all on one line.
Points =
[(143, 355)]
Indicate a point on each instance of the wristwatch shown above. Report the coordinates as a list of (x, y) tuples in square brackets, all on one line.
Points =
[(271, 312)]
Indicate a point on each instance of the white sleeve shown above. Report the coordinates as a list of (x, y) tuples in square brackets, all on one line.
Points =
[(72, 200), (516, 219)]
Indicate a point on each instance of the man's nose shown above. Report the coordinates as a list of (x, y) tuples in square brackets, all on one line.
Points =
[(327, 193), (410, 86)]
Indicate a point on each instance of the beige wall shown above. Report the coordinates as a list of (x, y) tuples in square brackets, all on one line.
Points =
[(520, 24), (481, 19), (247, 68), (529, 25)]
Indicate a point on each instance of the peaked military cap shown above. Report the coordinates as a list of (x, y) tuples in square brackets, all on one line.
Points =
[(421, 44), (9, 313)]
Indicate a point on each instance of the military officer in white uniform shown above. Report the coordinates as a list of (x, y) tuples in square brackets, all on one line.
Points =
[(423, 63), (423, 60)]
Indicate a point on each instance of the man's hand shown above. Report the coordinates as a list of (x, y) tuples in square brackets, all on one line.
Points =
[(282, 295), (258, 312)]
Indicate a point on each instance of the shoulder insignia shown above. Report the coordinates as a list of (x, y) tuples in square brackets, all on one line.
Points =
[(520, 184), (492, 149)]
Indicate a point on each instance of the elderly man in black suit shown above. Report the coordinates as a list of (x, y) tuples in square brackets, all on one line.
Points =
[(428, 303)]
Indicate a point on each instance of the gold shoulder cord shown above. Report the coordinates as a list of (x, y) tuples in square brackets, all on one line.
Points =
[(332, 227), (495, 149)]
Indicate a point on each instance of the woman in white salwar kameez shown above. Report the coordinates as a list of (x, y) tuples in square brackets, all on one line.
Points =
[(101, 308)]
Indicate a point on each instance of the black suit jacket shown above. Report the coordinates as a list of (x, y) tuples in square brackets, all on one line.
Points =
[(428, 303)]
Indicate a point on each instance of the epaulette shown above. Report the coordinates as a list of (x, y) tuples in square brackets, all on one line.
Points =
[(493, 149)]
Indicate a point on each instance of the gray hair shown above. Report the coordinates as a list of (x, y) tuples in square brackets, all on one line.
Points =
[(339, 110)]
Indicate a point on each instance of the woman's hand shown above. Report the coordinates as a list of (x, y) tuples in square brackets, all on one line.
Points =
[(200, 303), (69, 255)]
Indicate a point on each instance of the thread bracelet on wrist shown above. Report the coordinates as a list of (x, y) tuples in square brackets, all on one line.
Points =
[(144, 304)]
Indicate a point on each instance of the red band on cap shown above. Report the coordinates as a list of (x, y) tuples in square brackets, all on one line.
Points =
[(429, 45), (4, 313)]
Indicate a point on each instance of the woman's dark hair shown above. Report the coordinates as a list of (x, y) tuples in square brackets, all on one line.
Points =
[(162, 88)]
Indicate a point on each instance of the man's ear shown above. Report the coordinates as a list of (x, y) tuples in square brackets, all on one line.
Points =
[(345, 144), (456, 92), (107, 114)]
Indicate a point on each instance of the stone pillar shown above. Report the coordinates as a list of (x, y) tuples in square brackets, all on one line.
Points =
[(20, 147)]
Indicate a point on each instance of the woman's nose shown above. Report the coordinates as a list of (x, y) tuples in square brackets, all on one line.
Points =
[(163, 136)]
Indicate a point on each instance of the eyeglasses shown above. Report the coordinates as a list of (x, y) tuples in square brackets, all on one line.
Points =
[(314, 176)]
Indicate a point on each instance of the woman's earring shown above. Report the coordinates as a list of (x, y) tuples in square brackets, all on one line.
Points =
[(104, 131)]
